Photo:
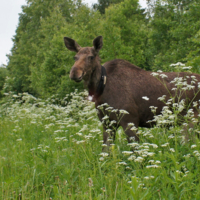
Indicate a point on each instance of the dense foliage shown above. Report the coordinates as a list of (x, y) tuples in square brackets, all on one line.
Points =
[(3, 75), (39, 63)]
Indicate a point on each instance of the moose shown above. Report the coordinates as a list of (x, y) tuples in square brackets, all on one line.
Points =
[(123, 85)]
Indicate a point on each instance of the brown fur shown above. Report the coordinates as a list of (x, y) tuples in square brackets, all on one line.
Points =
[(126, 85)]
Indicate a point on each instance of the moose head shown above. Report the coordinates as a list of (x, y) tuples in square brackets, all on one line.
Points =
[(86, 58)]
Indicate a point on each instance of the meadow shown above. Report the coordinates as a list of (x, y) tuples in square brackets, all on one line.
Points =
[(52, 149)]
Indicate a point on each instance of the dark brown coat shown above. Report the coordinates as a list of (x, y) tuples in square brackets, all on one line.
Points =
[(125, 86)]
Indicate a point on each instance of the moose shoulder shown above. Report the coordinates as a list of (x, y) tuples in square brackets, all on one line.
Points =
[(124, 86)]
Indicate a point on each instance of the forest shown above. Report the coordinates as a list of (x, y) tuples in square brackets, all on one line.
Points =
[(166, 32)]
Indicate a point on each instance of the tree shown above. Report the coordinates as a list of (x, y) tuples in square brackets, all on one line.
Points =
[(24, 51), (173, 25), (103, 4), (125, 33), (3, 75)]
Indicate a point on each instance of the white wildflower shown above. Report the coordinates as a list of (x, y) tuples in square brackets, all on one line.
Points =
[(104, 154), (139, 159), (122, 163), (163, 76), (152, 166), (115, 110), (150, 153), (105, 117), (171, 136), (133, 128), (123, 111), (172, 149), (129, 182), (127, 167), (112, 122), (109, 108), (154, 74), (108, 130), (127, 152), (151, 161), (153, 108), (134, 144), (195, 104), (130, 125), (189, 67), (145, 98), (155, 146), (15, 96), (132, 157), (164, 145), (79, 142), (101, 158)]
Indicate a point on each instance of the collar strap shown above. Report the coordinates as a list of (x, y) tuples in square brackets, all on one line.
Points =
[(102, 83)]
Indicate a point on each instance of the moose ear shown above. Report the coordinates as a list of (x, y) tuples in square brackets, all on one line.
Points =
[(98, 43), (71, 44)]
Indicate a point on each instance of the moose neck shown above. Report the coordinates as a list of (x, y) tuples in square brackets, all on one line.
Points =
[(93, 82)]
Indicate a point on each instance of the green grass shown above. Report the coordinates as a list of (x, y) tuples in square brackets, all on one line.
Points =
[(53, 152)]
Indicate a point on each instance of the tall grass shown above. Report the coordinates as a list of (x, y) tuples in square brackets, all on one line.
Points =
[(49, 151)]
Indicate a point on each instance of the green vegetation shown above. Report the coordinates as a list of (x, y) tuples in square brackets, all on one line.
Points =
[(167, 32), (3, 75), (49, 151), (51, 143)]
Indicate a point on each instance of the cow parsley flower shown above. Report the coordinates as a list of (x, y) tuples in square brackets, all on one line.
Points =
[(154, 74), (123, 111), (105, 117), (134, 144), (162, 98), (145, 98), (150, 153), (152, 166), (163, 76), (139, 159), (189, 67), (172, 149), (109, 108), (130, 125), (127, 152), (104, 154), (165, 145), (122, 163), (132, 157), (101, 158), (133, 128)]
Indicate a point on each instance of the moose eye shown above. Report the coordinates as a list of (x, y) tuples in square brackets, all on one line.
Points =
[(90, 58)]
